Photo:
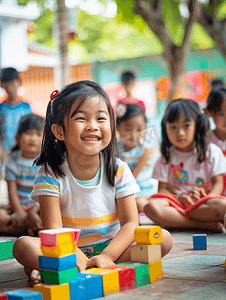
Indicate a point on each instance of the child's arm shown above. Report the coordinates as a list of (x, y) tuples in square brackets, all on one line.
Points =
[(34, 222), (217, 185), (51, 218), (19, 215), (142, 162), (128, 217)]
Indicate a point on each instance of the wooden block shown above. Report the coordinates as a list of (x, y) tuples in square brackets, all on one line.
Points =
[(6, 249), (127, 277), (77, 289), (3, 296), (57, 263), (155, 271), (59, 250), (58, 277), (145, 253), (54, 237), (94, 285), (24, 295), (199, 241), (141, 272), (148, 235), (225, 265), (53, 292), (110, 279)]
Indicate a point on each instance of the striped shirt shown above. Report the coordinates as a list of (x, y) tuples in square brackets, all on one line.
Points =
[(21, 170), (92, 209)]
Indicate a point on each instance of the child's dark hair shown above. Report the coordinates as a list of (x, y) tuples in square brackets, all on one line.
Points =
[(8, 74), (127, 76), (217, 84), (27, 122), (52, 152), (127, 111), (215, 99), (191, 110)]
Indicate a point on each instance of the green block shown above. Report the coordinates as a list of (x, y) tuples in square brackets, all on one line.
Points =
[(141, 272), (6, 249), (58, 277)]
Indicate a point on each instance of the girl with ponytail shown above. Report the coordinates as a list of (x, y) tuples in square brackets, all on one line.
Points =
[(189, 172)]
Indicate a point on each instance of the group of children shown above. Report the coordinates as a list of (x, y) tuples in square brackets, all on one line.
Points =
[(92, 181)]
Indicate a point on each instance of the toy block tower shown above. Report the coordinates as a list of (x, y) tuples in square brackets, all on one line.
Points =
[(58, 263), (148, 250)]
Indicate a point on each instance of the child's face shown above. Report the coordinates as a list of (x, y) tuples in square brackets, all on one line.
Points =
[(30, 142), (220, 118), (181, 133), (11, 87), (129, 86), (131, 131), (87, 130)]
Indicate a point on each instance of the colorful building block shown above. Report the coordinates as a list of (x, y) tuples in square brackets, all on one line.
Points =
[(54, 237), (53, 292), (94, 285), (59, 250), (6, 249), (57, 263), (77, 288), (58, 277), (199, 241), (155, 271), (127, 278), (3, 296), (148, 235), (141, 272), (110, 279), (24, 295), (145, 253)]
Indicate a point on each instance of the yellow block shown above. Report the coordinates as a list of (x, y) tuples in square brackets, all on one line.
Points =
[(110, 279), (59, 250), (148, 235), (53, 292), (145, 253), (155, 271)]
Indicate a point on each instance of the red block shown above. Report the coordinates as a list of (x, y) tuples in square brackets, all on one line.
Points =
[(3, 296), (127, 277)]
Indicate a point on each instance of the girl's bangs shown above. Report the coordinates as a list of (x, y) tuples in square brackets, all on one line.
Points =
[(176, 110)]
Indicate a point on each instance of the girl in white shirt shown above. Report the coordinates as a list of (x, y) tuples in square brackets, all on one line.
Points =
[(82, 183), (189, 172)]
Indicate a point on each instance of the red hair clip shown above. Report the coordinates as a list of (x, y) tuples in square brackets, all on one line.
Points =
[(54, 94)]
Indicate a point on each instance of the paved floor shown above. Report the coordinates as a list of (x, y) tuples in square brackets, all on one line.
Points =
[(188, 274)]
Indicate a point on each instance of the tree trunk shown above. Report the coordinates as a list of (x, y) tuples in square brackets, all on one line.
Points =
[(63, 68)]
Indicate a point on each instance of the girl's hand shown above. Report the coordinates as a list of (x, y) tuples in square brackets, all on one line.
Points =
[(100, 261), (34, 222), (186, 200), (19, 218), (196, 193)]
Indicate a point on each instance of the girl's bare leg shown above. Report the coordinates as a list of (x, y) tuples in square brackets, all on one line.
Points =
[(141, 202), (161, 212), (212, 210), (5, 219), (166, 246), (27, 249)]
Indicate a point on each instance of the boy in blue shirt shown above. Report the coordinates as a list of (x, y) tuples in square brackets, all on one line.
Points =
[(11, 110)]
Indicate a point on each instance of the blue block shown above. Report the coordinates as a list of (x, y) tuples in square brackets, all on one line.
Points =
[(199, 242), (57, 263), (94, 285), (24, 295), (77, 289)]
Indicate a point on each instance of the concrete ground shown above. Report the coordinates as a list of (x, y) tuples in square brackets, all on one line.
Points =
[(188, 273)]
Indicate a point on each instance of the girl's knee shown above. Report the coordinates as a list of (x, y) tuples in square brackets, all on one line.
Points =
[(20, 245), (167, 243)]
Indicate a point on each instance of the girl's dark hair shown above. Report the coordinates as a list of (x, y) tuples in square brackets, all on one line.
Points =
[(215, 99), (127, 76), (191, 110), (28, 122), (53, 153), (127, 111)]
